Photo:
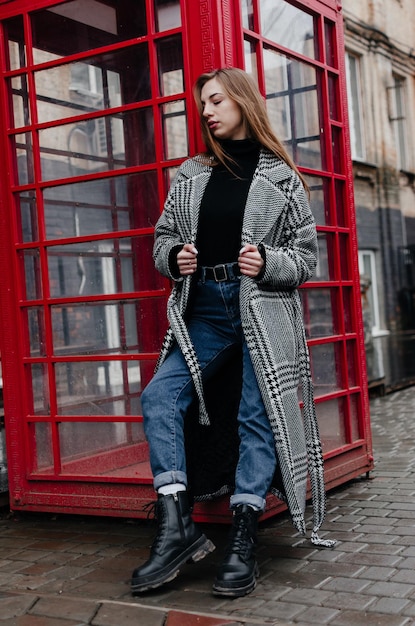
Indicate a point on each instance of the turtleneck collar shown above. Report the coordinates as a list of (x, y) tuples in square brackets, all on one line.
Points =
[(240, 147)]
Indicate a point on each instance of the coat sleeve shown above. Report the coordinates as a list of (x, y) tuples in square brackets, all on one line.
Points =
[(167, 240), (291, 248)]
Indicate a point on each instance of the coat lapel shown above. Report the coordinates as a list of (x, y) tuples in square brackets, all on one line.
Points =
[(265, 201)]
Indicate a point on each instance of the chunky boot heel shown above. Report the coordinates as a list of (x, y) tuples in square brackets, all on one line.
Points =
[(204, 550), (177, 542), (238, 573)]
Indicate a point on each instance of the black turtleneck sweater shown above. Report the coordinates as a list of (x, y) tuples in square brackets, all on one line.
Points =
[(223, 204)]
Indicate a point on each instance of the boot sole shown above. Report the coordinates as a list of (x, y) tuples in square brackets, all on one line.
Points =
[(219, 589), (196, 552)]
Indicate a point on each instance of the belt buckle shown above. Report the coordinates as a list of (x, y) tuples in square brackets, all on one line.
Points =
[(224, 274)]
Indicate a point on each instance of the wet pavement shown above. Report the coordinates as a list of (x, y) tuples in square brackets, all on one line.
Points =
[(58, 570)]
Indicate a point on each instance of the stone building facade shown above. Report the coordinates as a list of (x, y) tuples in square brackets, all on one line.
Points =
[(380, 66)]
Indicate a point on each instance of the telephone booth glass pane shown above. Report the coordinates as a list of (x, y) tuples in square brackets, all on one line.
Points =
[(93, 302), (292, 53)]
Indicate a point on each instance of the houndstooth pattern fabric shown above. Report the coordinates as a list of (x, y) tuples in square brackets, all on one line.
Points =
[(277, 215)]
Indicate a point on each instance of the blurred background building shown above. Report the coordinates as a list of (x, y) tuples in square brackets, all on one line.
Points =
[(380, 70)]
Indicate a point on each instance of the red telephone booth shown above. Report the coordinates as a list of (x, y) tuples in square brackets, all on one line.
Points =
[(96, 116)]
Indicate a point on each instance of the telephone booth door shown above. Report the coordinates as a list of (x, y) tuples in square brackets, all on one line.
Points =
[(97, 115)]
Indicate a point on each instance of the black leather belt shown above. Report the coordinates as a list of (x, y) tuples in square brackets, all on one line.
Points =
[(220, 273)]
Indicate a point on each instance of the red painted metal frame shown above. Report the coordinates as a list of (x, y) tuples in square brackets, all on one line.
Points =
[(218, 25)]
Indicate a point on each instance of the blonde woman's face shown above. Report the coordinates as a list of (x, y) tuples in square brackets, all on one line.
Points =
[(223, 116)]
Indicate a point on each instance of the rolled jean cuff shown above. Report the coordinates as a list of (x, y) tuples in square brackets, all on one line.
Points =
[(248, 498), (168, 478)]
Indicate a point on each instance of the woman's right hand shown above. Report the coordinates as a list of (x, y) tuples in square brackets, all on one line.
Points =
[(187, 259)]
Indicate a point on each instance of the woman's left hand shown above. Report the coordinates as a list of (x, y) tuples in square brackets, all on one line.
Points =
[(250, 261)]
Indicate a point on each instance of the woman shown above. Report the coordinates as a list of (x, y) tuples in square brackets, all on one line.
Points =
[(237, 238)]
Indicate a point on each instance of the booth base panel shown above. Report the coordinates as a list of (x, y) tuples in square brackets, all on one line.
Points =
[(127, 500)]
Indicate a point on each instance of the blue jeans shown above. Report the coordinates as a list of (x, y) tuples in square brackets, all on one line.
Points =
[(214, 327)]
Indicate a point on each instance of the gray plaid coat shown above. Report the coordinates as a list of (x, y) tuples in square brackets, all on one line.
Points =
[(277, 215)]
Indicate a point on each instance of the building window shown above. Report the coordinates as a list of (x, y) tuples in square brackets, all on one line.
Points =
[(369, 288), (398, 119), (354, 94)]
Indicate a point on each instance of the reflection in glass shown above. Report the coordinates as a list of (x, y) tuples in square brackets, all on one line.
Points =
[(325, 266), (320, 312), (102, 82), (330, 34), (349, 322), (32, 282), (102, 206), (175, 130), (170, 64), (345, 261), (247, 14), (20, 97), (42, 450), (288, 26), (325, 362), (116, 449), (35, 322), (39, 391), (331, 416), (91, 24), (102, 267), (118, 327), (104, 143), (341, 212), (354, 417), (292, 103), (169, 174), (351, 363), (14, 34), (319, 199), (26, 211), (24, 157), (167, 14), (98, 388), (250, 59), (337, 147), (333, 85)]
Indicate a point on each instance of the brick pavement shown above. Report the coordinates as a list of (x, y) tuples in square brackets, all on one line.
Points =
[(72, 571)]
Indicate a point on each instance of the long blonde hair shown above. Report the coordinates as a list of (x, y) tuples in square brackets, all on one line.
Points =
[(241, 88)]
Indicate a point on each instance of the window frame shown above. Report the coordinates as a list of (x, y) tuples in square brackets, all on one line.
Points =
[(355, 105)]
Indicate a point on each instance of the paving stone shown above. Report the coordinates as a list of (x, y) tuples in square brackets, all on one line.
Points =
[(356, 618), (377, 573), (309, 596), (15, 605), (389, 605), (344, 600), (127, 615), (363, 558), (404, 576), (319, 615), (351, 585), (368, 578), (40, 620), (30, 555), (409, 610), (65, 608), (177, 618), (392, 590)]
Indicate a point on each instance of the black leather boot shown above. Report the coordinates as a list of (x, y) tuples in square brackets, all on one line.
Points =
[(178, 540), (237, 574)]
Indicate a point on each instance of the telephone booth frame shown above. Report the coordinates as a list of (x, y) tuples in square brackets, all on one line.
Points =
[(96, 115)]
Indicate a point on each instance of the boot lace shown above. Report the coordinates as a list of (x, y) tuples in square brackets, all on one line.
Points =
[(241, 539)]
